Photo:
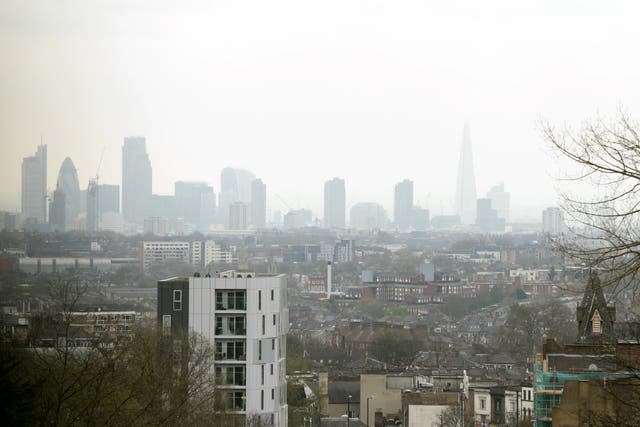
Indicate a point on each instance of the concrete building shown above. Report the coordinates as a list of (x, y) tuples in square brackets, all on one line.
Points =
[(258, 203), (136, 180), (159, 252), (465, 199), (214, 253), (101, 199), (500, 201), (368, 216), (238, 216), (246, 321), (235, 186), (297, 219), (195, 203), (419, 218), (403, 204), (334, 203), (552, 221), (487, 218), (34, 186)]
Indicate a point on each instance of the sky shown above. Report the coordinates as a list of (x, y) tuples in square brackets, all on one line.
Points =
[(301, 91)]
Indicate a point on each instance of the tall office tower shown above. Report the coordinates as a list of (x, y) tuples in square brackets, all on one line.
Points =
[(258, 203), (34, 186), (368, 216), (136, 180), (69, 185), (403, 204), (500, 201), (195, 202), (552, 220), (101, 199), (57, 211), (465, 203), (235, 186), (238, 216), (247, 326), (334, 203)]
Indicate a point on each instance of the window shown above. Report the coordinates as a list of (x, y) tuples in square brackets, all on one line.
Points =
[(166, 324), (264, 326), (273, 343), (272, 369), (596, 323), (259, 300), (262, 374), (274, 320), (273, 393), (259, 349), (483, 403), (262, 400), (177, 300), (272, 294)]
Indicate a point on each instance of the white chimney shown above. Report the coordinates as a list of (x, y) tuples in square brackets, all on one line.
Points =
[(329, 280)]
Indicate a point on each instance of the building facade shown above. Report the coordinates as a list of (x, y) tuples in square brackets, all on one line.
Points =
[(552, 221), (334, 203), (245, 318), (136, 180), (258, 203), (34, 186), (68, 184), (403, 204)]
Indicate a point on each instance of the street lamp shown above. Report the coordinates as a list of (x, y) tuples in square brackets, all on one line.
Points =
[(369, 398), (348, 409)]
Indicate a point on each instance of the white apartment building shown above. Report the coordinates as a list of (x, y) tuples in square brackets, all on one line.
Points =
[(214, 253), (246, 319), (159, 252)]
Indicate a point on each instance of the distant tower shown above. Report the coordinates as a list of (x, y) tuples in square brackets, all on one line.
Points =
[(500, 201), (34, 186), (136, 180), (69, 185), (465, 203), (235, 186), (403, 204), (334, 203), (258, 203)]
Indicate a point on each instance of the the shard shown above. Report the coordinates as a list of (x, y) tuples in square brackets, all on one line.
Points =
[(465, 202)]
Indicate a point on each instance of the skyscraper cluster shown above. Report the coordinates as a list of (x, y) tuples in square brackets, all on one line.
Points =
[(240, 204)]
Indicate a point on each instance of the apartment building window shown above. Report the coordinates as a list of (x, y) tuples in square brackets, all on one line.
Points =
[(177, 300), (262, 400), (166, 324), (262, 374), (273, 343), (264, 326), (274, 320), (259, 349), (259, 300), (272, 369), (273, 393), (272, 294)]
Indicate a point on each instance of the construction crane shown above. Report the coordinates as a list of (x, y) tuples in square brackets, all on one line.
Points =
[(94, 183)]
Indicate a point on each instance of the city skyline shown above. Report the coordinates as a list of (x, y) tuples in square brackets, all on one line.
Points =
[(208, 94)]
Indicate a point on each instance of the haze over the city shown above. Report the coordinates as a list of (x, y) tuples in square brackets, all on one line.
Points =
[(300, 92)]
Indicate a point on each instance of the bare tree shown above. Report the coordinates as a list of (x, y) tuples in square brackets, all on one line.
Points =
[(601, 197)]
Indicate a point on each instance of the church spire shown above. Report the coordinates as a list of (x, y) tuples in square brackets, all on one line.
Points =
[(595, 318)]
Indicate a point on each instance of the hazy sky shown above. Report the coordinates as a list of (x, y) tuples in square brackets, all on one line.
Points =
[(301, 91)]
